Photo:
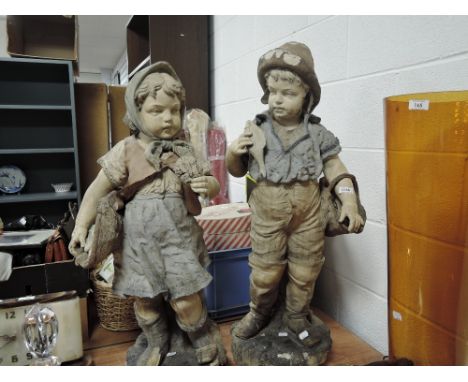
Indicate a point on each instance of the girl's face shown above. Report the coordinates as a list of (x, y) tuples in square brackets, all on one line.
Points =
[(160, 116), (285, 100)]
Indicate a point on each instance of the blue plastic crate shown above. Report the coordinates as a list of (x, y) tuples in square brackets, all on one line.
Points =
[(228, 294)]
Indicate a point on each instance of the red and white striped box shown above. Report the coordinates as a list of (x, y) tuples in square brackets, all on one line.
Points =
[(226, 226)]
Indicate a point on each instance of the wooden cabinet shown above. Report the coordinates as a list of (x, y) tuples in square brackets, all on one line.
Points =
[(38, 135), (180, 40)]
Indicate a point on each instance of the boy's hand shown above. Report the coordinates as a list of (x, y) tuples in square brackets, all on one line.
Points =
[(349, 210), (205, 186), (241, 145), (236, 160)]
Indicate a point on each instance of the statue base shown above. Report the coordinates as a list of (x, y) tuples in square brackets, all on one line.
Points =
[(276, 345), (181, 352)]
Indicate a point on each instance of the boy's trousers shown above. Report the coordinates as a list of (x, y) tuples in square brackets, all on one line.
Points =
[(287, 236)]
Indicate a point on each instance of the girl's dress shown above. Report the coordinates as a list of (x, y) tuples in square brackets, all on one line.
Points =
[(163, 249)]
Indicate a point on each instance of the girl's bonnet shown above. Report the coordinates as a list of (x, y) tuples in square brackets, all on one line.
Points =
[(131, 118)]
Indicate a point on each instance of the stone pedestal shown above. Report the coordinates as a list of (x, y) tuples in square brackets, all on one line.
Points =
[(277, 345), (181, 352)]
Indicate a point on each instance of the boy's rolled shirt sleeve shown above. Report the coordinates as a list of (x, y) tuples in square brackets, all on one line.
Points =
[(114, 166), (329, 144)]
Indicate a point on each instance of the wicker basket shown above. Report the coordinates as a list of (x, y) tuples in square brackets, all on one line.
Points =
[(115, 313)]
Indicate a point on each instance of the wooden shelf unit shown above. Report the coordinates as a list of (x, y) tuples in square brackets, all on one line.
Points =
[(38, 197), (37, 151), (38, 135), (35, 107)]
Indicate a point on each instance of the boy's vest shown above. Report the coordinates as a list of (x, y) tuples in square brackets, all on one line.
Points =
[(301, 161)]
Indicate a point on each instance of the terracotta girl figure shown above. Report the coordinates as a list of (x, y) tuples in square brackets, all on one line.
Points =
[(163, 256)]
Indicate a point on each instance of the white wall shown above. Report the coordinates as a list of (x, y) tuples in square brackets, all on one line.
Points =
[(88, 77), (121, 70), (359, 62), (3, 37)]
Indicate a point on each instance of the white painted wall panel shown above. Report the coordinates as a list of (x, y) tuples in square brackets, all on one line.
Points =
[(353, 109), (363, 312), (450, 74), (369, 168), (236, 38), (272, 28), (361, 258), (328, 41), (386, 42)]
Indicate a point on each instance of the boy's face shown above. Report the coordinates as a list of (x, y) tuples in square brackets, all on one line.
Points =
[(285, 100), (161, 115)]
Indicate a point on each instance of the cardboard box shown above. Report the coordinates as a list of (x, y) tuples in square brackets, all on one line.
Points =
[(226, 226), (99, 120), (92, 130), (117, 109), (39, 279), (53, 37)]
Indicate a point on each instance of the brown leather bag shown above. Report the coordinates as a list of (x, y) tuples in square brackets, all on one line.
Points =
[(331, 206), (57, 244), (56, 249), (67, 223)]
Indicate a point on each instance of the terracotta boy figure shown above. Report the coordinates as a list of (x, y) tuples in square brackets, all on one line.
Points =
[(163, 256), (287, 233)]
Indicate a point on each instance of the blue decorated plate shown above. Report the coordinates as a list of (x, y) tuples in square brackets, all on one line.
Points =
[(12, 179)]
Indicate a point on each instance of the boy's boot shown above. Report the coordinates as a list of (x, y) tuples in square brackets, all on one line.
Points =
[(153, 323), (251, 324), (299, 292), (264, 286)]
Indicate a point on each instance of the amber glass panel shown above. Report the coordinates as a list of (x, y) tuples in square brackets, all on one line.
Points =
[(427, 202)]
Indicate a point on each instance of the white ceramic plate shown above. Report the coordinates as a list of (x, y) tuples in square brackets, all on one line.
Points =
[(12, 179)]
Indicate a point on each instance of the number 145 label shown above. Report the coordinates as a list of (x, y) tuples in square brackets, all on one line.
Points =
[(418, 104)]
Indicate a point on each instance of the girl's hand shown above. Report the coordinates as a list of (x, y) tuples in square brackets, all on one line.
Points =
[(78, 240), (205, 186)]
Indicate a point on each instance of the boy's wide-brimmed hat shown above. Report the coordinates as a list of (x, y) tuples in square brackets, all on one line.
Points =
[(295, 57)]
